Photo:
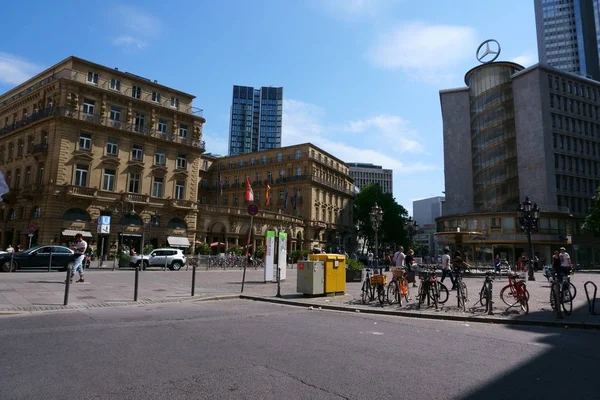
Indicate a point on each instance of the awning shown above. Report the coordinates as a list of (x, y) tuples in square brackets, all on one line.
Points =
[(71, 232), (178, 241)]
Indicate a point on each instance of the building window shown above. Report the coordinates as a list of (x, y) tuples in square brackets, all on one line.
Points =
[(136, 92), (44, 137), (179, 190), (137, 152), (298, 154), (162, 125), (264, 159), (112, 148), (27, 175), (92, 78), (40, 174), (236, 199), (159, 158), (17, 178), (37, 213), (279, 157), (85, 141), (115, 84), (298, 172), (138, 122), (241, 163), (282, 174), (225, 199), (252, 161), (7, 178), (134, 182), (108, 183), (269, 176), (115, 114), (281, 194), (157, 187), (181, 161), (20, 146), (81, 174), (156, 97), (174, 102), (183, 130), (89, 106)]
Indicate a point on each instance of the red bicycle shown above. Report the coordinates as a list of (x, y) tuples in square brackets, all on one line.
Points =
[(516, 293)]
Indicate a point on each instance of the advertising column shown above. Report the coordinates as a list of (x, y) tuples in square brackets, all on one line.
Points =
[(269, 256), (282, 258)]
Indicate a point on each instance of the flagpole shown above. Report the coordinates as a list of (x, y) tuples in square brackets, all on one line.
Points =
[(247, 251)]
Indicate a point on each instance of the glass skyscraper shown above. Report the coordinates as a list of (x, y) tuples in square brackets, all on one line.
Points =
[(568, 35), (255, 122)]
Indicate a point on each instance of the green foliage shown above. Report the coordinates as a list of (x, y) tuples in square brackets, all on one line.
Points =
[(354, 264), (260, 252), (393, 225), (203, 249), (592, 220), (235, 249), (298, 254), (148, 248)]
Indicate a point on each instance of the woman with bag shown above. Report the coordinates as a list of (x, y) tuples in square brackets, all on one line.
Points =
[(408, 260)]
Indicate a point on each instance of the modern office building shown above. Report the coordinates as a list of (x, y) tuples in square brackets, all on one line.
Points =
[(310, 197), (81, 140), (425, 211), (366, 174), (255, 122), (568, 34), (515, 132)]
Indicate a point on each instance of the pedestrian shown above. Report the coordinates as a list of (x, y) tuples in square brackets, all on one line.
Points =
[(497, 264), (370, 259), (565, 261), (10, 249), (79, 249), (19, 248), (556, 262), (408, 260), (446, 268)]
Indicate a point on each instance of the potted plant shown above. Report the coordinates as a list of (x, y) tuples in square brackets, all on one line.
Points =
[(124, 259), (353, 270), (203, 249)]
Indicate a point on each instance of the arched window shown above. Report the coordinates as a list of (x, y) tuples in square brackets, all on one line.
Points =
[(177, 223), (76, 214), (130, 219)]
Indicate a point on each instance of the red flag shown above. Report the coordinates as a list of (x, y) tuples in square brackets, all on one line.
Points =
[(267, 196), (249, 191)]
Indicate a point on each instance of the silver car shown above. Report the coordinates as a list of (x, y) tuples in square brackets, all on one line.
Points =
[(173, 259)]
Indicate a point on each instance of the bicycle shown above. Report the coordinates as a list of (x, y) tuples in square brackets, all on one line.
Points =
[(516, 293), (431, 289), (367, 291), (462, 294), (398, 287), (485, 294), (563, 294)]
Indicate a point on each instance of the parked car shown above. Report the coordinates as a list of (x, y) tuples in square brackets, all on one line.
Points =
[(173, 259), (38, 257)]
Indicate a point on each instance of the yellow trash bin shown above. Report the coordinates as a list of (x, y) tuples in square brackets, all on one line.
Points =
[(335, 272)]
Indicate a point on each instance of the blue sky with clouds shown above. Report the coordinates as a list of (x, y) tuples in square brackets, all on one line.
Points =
[(361, 78)]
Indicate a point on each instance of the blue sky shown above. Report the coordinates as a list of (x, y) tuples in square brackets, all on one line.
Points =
[(361, 78)]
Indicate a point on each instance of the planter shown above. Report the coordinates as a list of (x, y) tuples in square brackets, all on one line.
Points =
[(353, 275)]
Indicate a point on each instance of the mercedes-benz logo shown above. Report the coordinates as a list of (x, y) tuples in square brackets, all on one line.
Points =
[(485, 53)]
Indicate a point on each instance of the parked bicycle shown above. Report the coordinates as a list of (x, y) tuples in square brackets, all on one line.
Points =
[(398, 287), (462, 294), (516, 293), (431, 289), (373, 284), (562, 292), (485, 294)]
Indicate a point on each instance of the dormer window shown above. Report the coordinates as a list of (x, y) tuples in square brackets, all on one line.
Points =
[(92, 78)]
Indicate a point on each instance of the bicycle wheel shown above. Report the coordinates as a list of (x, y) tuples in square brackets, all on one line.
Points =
[(553, 295), (392, 292), (366, 292), (381, 294), (566, 301), (483, 296), (573, 291), (404, 291), (442, 293), (507, 294), (462, 296), (420, 295), (434, 294)]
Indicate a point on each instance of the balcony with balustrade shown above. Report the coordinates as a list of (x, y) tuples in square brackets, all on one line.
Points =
[(183, 204), (135, 198), (81, 192)]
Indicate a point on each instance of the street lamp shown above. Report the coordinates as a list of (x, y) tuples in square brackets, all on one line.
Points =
[(376, 218), (529, 214), (412, 227)]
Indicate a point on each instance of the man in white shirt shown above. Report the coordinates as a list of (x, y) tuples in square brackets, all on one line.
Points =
[(399, 257), (79, 249), (565, 260), (446, 271), (370, 259)]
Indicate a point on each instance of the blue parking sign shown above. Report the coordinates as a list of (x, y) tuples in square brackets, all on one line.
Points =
[(104, 220)]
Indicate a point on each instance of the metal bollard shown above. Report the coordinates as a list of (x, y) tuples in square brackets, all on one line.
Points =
[(50, 261), (67, 286), (557, 285), (136, 284), (193, 279), (591, 299), (278, 282), (490, 304), (12, 265)]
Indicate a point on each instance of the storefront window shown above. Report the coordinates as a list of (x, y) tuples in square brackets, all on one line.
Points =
[(508, 224)]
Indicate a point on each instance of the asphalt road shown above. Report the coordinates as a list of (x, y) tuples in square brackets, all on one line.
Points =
[(245, 350)]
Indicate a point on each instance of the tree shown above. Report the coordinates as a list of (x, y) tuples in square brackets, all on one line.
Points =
[(592, 220), (393, 225)]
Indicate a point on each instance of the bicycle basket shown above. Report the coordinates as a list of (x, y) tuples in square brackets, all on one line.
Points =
[(379, 280), (398, 272)]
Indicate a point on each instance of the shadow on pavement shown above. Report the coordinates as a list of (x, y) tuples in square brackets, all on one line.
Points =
[(58, 282), (566, 369)]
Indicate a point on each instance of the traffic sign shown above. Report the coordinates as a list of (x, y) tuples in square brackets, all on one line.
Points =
[(253, 209), (31, 228)]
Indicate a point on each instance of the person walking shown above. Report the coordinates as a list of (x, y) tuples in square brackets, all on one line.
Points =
[(399, 257), (79, 249), (565, 261), (446, 268), (497, 264), (408, 261)]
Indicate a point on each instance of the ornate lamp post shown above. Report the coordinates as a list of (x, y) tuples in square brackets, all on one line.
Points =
[(412, 227), (376, 218), (529, 215)]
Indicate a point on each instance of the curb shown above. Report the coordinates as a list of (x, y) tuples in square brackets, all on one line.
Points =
[(519, 322)]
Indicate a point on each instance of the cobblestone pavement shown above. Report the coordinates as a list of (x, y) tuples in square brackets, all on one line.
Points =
[(42, 291)]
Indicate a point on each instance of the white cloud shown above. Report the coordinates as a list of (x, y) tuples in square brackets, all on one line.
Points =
[(302, 122), (135, 27), (526, 59), (423, 49), (393, 129), (356, 8), (14, 70)]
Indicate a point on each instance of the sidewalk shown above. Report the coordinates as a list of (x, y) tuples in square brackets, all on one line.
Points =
[(40, 291)]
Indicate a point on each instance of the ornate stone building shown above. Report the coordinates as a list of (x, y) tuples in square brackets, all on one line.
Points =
[(310, 198), (81, 140)]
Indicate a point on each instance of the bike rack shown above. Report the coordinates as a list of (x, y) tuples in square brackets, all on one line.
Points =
[(592, 300)]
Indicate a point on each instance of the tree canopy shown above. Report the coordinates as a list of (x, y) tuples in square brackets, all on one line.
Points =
[(592, 220), (393, 226)]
